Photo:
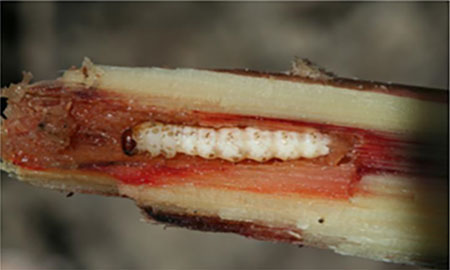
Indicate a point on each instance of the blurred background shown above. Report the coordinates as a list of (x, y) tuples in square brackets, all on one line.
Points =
[(398, 42)]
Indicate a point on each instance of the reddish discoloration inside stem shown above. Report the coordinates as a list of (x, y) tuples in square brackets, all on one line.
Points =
[(274, 177), (57, 126)]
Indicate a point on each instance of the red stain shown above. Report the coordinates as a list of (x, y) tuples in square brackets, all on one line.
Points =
[(269, 178), (141, 173)]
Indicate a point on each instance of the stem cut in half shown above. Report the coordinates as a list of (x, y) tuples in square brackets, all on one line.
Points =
[(305, 157)]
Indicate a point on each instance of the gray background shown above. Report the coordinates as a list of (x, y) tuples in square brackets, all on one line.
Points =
[(399, 42)]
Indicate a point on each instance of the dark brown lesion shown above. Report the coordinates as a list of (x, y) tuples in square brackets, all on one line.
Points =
[(216, 224)]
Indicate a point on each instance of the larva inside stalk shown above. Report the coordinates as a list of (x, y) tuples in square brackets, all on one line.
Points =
[(230, 143), (353, 166)]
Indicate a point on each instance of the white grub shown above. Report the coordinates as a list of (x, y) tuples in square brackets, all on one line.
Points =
[(231, 144)]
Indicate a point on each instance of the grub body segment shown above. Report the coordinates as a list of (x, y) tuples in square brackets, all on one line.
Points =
[(231, 144)]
